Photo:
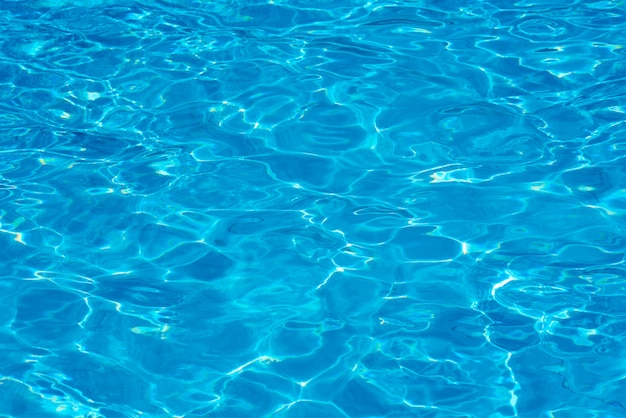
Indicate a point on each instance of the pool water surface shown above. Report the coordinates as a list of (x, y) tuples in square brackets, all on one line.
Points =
[(243, 208)]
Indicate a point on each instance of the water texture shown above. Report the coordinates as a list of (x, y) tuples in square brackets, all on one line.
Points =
[(312, 209)]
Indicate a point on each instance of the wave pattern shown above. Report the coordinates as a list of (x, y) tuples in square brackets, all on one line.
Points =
[(296, 209)]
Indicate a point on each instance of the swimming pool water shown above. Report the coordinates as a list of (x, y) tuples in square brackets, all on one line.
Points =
[(243, 208)]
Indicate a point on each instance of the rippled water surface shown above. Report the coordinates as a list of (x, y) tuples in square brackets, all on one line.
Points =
[(243, 208)]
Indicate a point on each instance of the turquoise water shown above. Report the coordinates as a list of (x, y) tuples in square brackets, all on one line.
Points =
[(312, 209)]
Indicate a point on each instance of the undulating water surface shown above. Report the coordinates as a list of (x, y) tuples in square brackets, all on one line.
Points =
[(298, 208)]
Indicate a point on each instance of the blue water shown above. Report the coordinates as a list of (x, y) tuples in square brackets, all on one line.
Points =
[(243, 208)]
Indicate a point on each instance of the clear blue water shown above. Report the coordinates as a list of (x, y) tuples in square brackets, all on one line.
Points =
[(312, 209)]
